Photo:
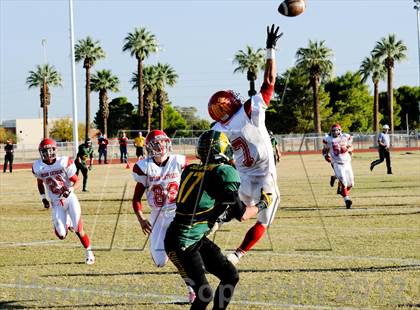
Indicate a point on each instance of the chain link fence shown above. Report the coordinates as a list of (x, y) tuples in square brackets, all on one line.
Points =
[(287, 143)]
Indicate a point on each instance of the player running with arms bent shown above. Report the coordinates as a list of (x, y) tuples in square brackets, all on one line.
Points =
[(244, 124), (337, 150), (59, 176), (158, 176)]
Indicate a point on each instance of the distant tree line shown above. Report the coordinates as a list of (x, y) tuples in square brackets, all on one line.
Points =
[(308, 98)]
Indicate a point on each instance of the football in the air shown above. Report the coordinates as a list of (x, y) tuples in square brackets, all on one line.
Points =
[(292, 7)]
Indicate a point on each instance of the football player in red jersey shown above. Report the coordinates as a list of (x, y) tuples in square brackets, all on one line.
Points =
[(244, 124), (58, 174), (337, 151), (158, 175)]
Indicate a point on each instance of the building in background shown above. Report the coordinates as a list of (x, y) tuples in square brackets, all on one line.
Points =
[(28, 131)]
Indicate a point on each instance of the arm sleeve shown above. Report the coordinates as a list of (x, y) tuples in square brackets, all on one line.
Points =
[(70, 168), (267, 92)]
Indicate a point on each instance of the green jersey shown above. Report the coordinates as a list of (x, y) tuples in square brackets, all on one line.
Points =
[(84, 153), (202, 191)]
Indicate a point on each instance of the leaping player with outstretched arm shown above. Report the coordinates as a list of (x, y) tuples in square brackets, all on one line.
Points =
[(158, 175), (58, 174), (244, 124)]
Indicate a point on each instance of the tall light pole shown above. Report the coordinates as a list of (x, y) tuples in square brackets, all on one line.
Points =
[(73, 81), (417, 8)]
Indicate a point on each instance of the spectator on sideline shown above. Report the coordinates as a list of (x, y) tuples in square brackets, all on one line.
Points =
[(8, 157), (123, 140), (85, 152), (276, 150), (139, 144), (384, 144), (102, 148)]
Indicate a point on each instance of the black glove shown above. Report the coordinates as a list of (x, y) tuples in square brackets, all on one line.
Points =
[(265, 200), (272, 36), (46, 203)]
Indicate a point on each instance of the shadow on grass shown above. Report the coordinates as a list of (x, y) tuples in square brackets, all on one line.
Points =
[(309, 270), (352, 269), (13, 305)]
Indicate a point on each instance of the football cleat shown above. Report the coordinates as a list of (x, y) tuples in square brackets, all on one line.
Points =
[(233, 258), (348, 204), (332, 180), (191, 297), (90, 258)]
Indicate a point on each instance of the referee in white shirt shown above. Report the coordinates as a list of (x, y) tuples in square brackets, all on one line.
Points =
[(383, 142)]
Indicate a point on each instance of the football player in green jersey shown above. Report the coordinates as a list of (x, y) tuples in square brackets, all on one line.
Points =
[(206, 191), (84, 153)]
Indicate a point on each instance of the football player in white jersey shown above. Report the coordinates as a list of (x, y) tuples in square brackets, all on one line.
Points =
[(244, 124), (337, 150), (158, 175), (59, 176)]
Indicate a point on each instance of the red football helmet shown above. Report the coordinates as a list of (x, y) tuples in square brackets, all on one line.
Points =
[(223, 104), (158, 145), (47, 149), (335, 130)]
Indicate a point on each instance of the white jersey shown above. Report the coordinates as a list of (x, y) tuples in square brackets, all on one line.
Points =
[(250, 140), (55, 176), (338, 147), (161, 182)]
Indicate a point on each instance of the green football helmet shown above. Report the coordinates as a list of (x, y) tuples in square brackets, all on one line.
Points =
[(214, 147)]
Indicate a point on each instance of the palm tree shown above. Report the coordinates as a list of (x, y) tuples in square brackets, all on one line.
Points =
[(89, 51), (101, 82), (251, 62), (390, 50), (316, 60), (141, 43), (43, 77), (165, 75), (149, 87), (373, 66)]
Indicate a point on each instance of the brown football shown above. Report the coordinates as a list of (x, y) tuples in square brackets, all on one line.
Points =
[(292, 7)]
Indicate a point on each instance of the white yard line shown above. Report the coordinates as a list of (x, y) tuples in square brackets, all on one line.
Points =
[(32, 243)]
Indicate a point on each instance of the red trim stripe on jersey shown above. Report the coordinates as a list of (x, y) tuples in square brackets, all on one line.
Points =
[(137, 170)]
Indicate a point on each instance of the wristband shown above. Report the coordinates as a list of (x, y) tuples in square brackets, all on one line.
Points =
[(271, 53), (43, 196)]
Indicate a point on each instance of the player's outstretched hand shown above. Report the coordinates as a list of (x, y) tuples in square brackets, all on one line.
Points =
[(272, 36), (46, 203), (146, 227), (265, 200)]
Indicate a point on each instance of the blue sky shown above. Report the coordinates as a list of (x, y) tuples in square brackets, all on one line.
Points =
[(198, 39)]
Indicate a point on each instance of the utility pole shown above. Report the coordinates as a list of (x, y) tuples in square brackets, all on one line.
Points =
[(73, 82), (417, 8)]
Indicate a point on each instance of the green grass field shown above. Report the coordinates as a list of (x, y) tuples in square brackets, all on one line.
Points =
[(320, 256)]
